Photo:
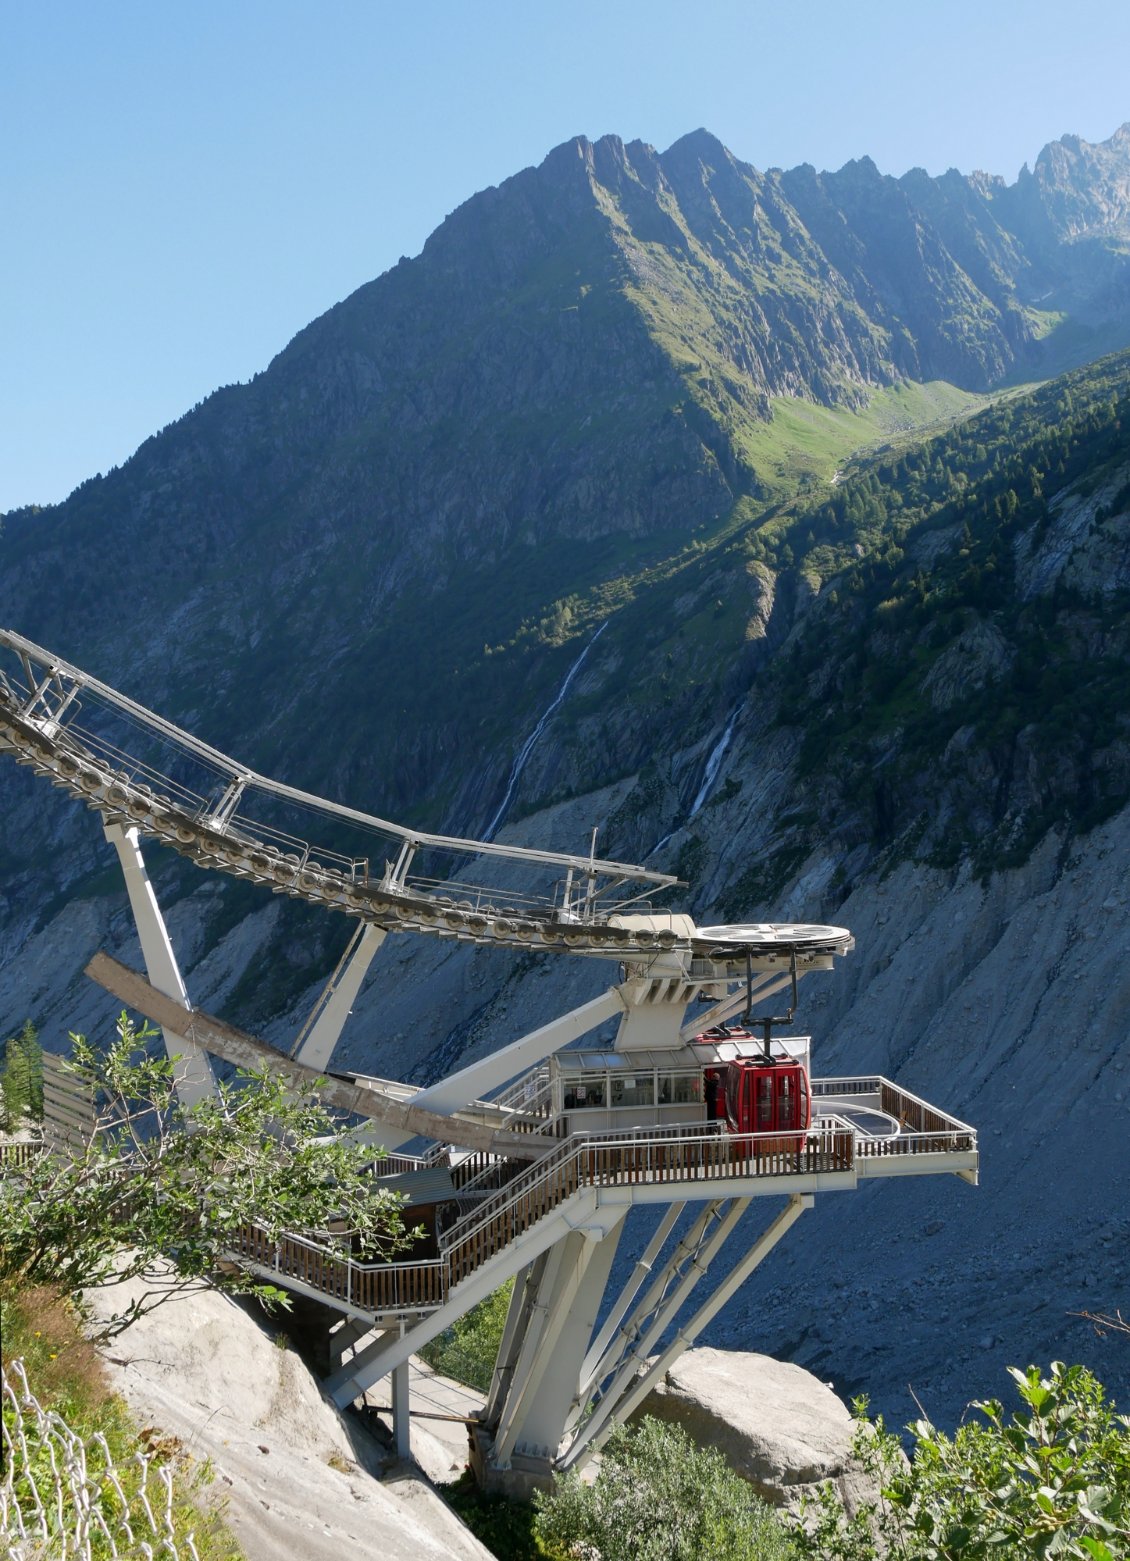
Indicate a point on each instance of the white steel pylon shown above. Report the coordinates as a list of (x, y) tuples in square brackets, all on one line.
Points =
[(192, 1072)]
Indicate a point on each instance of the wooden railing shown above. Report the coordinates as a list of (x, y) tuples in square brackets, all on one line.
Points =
[(13, 1155), (923, 1129), (865, 1085), (670, 1155), (366, 1287)]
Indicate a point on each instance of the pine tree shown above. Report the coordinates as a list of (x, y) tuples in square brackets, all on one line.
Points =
[(21, 1084)]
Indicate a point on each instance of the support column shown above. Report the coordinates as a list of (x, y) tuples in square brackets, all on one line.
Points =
[(192, 1070), (522, 1300), (533, 1417), (651, 1319), (765, 986), (346, 1336), (401, 1413), (614, 1411), (638, 1277), (316, 1042)]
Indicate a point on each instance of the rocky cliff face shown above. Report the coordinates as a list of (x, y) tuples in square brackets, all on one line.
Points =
[(613, 391)]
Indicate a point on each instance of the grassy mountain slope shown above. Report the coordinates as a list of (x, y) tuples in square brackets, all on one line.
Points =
[(608, 359)]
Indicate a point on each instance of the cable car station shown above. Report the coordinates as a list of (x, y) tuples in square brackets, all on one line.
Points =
[(672, 1100)]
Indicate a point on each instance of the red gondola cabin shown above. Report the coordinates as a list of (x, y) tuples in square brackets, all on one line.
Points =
[(768, 1097), (757, 1093)]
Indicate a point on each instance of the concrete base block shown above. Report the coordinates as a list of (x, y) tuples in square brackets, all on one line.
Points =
[(525, 1474)]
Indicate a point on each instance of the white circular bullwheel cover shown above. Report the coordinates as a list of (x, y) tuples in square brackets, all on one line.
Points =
[(778, 937)]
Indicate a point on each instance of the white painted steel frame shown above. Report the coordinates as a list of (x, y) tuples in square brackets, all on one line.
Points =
[(192, 1071), (239, 774)]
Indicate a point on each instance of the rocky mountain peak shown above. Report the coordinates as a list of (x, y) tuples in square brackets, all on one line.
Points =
[(1085, 186), (699, 145)]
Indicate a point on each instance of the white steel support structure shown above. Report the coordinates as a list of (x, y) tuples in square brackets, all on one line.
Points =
[(551, 1178), (650, 1010), (315, 1044), (402, 1410), (637, 1377), (193, 1071), (548, 1350), (640, 1273), (489, 1073)]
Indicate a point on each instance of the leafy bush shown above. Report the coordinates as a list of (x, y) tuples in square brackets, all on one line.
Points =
[(162, 1192), (467, 1350), (658, 1497), (1050, 1480)]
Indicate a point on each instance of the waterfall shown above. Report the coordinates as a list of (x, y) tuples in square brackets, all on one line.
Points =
[(659, 844), (531, 741), (713, 765)]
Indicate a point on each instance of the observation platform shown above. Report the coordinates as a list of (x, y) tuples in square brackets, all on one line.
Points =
[(504, 1211)]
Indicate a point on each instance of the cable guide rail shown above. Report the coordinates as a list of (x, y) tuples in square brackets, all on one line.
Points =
[(702, 1160), (139, 769)]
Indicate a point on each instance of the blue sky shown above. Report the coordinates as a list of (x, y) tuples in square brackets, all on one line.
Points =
[(183, 187)]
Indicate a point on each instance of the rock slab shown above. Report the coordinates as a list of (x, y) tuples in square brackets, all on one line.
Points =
[(288, 1469), (776, 1424)]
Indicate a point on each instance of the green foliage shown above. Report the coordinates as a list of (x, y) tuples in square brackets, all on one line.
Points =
[(658, 1497), (161, 1191), (507, 1528), (21, 1084), (917, 553), (468, 1349), (1052, 1479)]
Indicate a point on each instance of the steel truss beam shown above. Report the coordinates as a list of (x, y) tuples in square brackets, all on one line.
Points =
[(636, 1337), (246, 1051), (638, 1276), (316, 1041), (632, 1384)]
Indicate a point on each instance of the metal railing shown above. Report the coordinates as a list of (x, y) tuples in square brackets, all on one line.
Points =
[(626, 1157), (210, 803), (923, 1129), (584, 1160)]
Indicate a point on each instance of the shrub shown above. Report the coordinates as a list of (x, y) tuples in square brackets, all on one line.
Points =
[(1050, 1480), (658, 1497), (468, 1349), (162, 1192)]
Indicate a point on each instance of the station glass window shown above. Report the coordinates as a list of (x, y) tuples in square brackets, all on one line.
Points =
[(581, 1094), (637, 1089), (680, 1089)]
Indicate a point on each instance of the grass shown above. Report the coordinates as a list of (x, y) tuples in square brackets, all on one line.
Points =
[(805, 439), (66, 1374)]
